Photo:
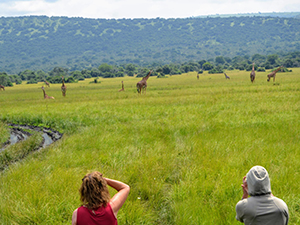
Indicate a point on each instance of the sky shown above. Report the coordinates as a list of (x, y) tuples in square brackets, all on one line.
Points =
[(118, 9)]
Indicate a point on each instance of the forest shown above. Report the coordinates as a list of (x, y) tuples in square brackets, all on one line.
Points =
[(42, 43), (217, 65)]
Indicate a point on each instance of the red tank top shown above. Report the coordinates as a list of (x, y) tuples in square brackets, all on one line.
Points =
[(102, 215)]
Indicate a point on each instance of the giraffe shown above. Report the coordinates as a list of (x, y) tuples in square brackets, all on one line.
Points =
[(47, 83), (197, 76), (143, 83), (63, 87), (45, 95), (252, 74), (273, 74), (2, 87), (227, 77), (122, 87)]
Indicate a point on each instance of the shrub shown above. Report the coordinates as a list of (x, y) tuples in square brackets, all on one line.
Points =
[(261, 69)]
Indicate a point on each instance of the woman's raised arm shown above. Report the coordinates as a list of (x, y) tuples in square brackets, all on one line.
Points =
[(119, 198)]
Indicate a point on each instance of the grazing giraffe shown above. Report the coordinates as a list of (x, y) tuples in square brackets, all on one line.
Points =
[(122, 87), (273, 74), (47, 83), (45, 95), (252, 74), (63, 87), (143, 83), (227, 77), (2, 87)]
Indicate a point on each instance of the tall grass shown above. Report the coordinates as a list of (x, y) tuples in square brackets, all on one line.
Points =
[(4, 133), (183, 147)]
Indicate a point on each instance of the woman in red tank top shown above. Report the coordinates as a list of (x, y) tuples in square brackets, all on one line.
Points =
[(97, 207)]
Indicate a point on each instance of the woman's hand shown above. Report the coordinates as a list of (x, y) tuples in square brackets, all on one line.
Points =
[(245, 188)]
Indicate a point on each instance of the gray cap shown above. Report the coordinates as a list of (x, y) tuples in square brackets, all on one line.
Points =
[(258, 181)]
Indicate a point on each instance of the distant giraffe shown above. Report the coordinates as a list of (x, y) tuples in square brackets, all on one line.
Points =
[(122, 87), (63, 87), (45, 95), (252, 74), (143, 83), (227, 77), (197, 76), (273, 74), (2, 87), (47, 83)]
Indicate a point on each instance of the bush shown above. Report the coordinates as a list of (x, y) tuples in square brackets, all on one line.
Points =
[(70, 80), (161, 76), (261, 69), (130, 73), (32, 81), (95, 81), (214, 70)]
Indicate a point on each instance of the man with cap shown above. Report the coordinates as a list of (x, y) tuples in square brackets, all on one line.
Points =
[(262, 208)]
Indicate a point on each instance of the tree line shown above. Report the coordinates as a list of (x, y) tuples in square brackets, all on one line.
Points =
[(212, 65)]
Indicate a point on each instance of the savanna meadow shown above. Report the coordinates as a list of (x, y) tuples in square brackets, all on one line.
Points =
[(183, 146)]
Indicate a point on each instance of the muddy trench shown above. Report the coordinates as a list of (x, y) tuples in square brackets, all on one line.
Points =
[(22, 132)]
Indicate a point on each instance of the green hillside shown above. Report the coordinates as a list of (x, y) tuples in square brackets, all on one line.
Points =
[(40, 42)]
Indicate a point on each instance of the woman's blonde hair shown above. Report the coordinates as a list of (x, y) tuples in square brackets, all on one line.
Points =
[(93, 191)]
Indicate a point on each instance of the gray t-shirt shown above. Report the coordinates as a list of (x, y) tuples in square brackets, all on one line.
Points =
[(262, 210)]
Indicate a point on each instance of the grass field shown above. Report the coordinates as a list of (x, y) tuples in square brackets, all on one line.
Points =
[(183, 147)]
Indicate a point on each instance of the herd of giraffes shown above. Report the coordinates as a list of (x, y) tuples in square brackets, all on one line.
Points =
[(252, 74), (143, 83), (270, 75), (63, 89)]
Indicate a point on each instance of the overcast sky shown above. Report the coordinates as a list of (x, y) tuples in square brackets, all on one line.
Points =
[(142, 8)]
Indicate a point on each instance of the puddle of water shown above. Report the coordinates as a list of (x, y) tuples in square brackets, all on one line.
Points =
[(13, 139), (18, 134), (48, 140)]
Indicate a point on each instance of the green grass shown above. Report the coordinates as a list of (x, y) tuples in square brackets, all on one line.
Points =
[(183, 147), (4, 133)]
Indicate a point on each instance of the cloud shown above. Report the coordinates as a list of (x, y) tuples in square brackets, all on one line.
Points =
[(142, 8)]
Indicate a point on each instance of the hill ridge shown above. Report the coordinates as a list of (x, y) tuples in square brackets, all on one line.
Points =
[(41, 42)]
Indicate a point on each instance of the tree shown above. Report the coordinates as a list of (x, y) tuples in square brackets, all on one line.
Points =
[(201, 62), (207, 66), (4, 80), (130, 67), (76, 74), (288, 63), (130, 73), (143, 72), (166, 69), (95, 72), (105, 68), (58, 71), (220, 60), (272, 59), (27, 75), (119, 74), (70, 80), (258, 58), (86, 73)]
